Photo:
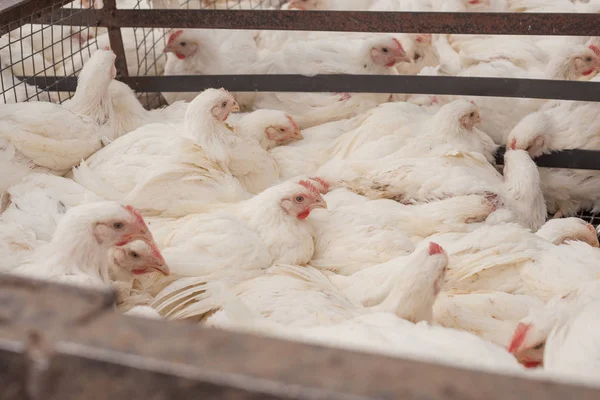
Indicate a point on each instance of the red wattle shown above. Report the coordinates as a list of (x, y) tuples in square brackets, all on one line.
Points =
[(139, 271), (303, 215)]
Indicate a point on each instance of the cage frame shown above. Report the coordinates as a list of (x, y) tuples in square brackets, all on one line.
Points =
[(59, 342)]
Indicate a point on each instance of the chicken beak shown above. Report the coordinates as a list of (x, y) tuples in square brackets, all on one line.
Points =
[(158, 262), (235, 107), (162, 268), (319, 203), (298, 135), (169, 49)]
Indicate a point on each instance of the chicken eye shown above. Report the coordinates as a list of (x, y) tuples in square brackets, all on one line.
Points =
[(134, 254), (417, 56), (183, 44), (472, 114), (539, 346), (385, 50), (588, 59), (224, 104), (118, 225), (299, 199), (281, 130)]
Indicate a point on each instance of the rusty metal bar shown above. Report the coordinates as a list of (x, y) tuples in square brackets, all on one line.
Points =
[(440, 85), (116, 40), (360, 21), (571, 159), (15, 10), (59, 343), (356, 21), (12, 12)]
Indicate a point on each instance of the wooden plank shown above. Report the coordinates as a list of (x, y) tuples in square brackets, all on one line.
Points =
[(61, 343)]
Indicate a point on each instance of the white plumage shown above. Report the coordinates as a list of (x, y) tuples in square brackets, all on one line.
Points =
[(377, 222)]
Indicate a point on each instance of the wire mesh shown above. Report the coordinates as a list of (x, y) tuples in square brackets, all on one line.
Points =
[(31, 49), (34, 50), (592, 218), (144, 46)]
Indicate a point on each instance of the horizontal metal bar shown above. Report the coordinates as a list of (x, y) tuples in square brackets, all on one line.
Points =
[(439, 85), (60, 343), (74, 16), (572, 159), (354, 21), (357, 21), (15, 12)]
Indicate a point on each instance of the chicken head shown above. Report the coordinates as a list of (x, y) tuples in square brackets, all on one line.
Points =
[(559, 231), (138, 258), (121, 225), (527, 344), (531, 134), (301, 202), (585, 64), (387, 52), (283, 132), (224, 105), (470, 118), (181, 43)]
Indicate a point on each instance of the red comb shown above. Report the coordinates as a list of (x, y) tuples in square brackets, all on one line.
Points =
[(323, 183), (513, 144), (293, 122), (138, 217), (435, 248), (518, 337), (174, 36), (313, 189), (398, 43)]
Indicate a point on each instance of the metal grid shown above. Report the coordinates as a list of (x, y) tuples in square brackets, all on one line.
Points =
[(29, 48), (144, 46), (592, 218)]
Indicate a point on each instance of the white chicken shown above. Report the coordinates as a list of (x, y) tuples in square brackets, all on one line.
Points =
[(356, 232), (500, 115), (54, 138), (508, 258), (374, 56), (234, 240), (79, 250), (561, 126), (128, 114), (452, 128), (306, 156), (209, 52), (530, 335), (193, 159), (410, 293), (491, 315), (416, 180), (270, 128), (572, 346)]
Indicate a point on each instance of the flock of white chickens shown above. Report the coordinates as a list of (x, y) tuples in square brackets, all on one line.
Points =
[(376, 222)]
